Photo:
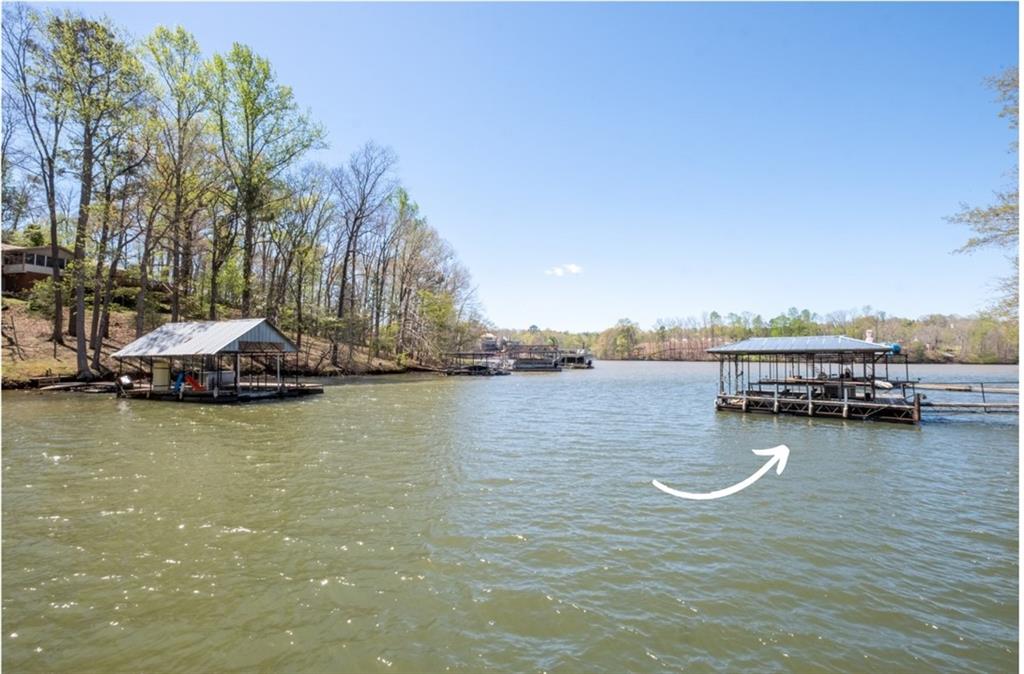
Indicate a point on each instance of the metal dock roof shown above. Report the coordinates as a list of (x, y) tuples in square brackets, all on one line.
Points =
[(206, 338), (816, 344)]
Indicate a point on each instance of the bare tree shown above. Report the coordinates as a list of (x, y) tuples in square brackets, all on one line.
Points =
[(31, 75), (362, 187)]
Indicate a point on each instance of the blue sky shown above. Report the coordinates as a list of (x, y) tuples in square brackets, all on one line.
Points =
[(681, 157)]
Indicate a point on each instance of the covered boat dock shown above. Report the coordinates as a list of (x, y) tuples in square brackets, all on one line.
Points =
[(819, 376), (213, 361)]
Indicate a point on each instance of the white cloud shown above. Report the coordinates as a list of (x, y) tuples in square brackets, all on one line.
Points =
[(570, 269)]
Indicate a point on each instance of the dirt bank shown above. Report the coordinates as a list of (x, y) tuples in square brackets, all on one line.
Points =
[(29, 355)]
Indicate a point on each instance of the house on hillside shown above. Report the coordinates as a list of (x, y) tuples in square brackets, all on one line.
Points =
[(25, 265)]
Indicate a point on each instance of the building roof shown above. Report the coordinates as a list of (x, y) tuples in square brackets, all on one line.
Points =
[(10, 247), (207, 338), (818, 344)]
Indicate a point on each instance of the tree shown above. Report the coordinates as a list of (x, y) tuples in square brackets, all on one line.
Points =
[(181, 171), (120, 161), (18, 190), (306, 215), (363, 188), (998, 225), (101, 81), (261, 133), (174, 56), (626, 336), (36, 92)]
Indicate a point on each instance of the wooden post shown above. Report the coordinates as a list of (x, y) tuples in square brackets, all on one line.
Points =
[(279, 372), (775, 406), (810, 405), (917, 407), (745, 386), (846, 400), (238, 373)]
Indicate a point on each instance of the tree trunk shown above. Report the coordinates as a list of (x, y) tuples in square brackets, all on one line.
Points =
[(58, 295), (176, 275), (97, 281), (140, 299), (344, 282), (104, 307), (81, 236), (298, 309), (247, 254), (214, 270), (186, 261)]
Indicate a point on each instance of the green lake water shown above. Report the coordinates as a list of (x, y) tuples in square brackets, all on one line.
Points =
[(504, 524)]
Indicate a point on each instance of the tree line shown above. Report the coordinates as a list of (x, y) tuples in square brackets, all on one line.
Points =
[(984, 338), (187, 179)]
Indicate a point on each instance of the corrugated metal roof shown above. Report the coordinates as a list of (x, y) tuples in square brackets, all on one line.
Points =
[(817, 344), (202, 338)]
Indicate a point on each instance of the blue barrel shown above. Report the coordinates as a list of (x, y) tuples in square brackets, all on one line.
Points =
[(895, 348)]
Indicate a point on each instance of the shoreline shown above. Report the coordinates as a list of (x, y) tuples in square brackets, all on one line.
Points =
[(38, 381)]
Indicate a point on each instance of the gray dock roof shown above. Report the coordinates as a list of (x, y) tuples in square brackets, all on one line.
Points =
[(817, 344), (207, 338)]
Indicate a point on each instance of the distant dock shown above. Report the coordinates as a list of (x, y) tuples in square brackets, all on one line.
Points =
[(501, 356), (540, 358)]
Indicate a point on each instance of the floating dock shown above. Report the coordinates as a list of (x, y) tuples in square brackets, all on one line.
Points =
[(213, 362), (245, 393), (835, 376), (576, 359), (476, 364), (537, 358)]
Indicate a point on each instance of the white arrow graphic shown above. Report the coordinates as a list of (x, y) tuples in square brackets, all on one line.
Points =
[(779, 455)]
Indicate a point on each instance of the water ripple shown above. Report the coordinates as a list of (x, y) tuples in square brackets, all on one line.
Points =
[(424, 524)]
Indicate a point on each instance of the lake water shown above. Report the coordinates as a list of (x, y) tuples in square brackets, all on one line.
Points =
[(509, 523)]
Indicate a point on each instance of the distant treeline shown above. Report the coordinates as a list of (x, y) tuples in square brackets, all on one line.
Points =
[(983, 338)]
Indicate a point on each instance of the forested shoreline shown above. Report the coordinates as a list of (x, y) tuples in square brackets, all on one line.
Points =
[(185, 188), (981, 339)]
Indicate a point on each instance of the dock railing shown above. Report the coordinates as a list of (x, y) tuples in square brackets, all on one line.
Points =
[(984, 389)]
